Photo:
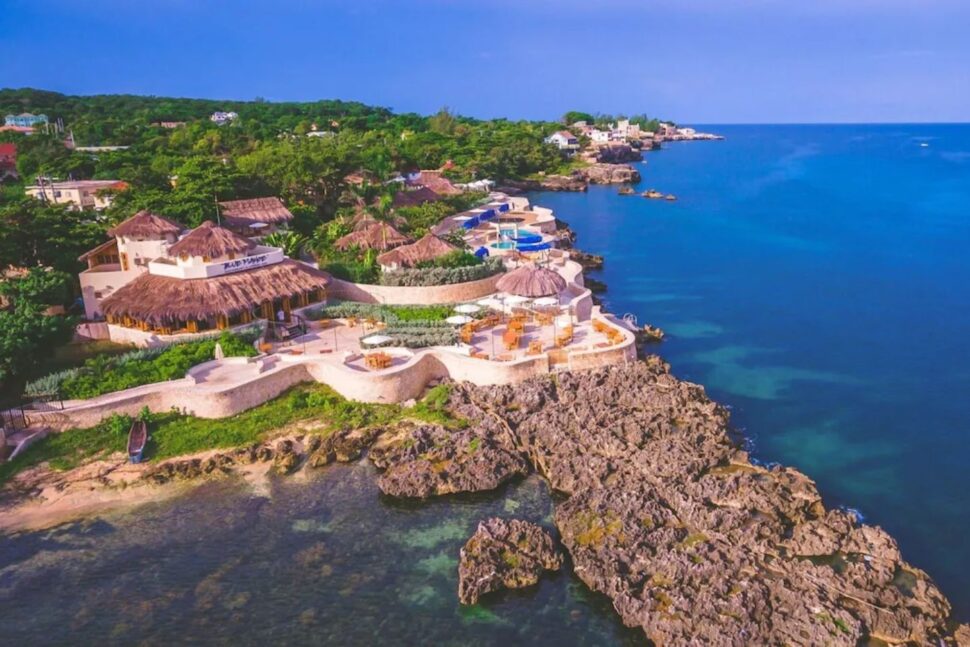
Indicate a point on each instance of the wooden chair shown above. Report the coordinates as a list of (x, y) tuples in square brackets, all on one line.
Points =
[(510, 339), (535, 347), (466, 334), (351, 322)]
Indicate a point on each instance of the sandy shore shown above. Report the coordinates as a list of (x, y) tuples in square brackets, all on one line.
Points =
[(40, 498)]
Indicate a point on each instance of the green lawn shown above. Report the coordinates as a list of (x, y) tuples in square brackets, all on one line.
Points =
[(175, 434)]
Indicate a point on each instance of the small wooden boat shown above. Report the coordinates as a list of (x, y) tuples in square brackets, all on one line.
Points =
[(653, 194), (137, 439)]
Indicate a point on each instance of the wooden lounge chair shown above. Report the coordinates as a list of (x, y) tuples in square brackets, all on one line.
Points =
[(535, 347)]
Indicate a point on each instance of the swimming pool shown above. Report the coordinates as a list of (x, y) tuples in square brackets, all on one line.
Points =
[(504, 244)]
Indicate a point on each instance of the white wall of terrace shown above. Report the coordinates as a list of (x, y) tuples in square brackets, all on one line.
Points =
[(196, 267)]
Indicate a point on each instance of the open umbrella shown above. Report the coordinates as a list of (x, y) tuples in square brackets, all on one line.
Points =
[(467, 308), (515, 299), (546, 302), (459, 320), (376, 340), (491, 302)]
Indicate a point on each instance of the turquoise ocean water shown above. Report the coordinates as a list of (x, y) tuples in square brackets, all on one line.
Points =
[(817, 280)]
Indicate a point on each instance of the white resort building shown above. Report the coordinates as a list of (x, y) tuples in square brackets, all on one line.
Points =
[(80, 194), (148, 281)]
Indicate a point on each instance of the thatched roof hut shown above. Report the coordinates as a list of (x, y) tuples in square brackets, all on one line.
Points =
[(415, 197), (437, 182), (162, 301), (242, 213), (146, 224), (428, 248), (211, 240), (532, 281), (379, 235)]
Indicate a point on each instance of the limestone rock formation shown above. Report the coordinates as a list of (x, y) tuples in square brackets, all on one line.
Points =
[(508, 554), (601, 173), (692, 541), (426, 460)]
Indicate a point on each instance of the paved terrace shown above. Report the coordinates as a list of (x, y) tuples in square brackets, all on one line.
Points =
[(332, 354)]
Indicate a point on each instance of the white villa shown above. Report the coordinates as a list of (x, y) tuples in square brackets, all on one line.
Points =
[(80, 194), (563, 140)]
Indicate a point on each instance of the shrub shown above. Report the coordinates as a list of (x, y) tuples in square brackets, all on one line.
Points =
[(416, 277), (105, 374)]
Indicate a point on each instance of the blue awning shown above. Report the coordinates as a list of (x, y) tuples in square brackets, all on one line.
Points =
[(481, 252), (503, 207), (487, 214), (471, 223), (528, 239)]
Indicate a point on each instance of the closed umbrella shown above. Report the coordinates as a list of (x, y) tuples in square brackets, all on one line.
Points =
[(546, 302)]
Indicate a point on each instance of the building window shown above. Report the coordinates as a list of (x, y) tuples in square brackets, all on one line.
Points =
[(124, 262)]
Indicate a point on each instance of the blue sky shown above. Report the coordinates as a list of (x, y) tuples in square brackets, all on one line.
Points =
[(695, 61)]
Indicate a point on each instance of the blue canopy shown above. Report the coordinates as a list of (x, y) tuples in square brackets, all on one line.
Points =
[(488, 214), (503, 207), (471, 223), (481, 252), (528, 239)]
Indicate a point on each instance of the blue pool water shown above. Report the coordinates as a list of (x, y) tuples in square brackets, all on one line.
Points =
[(817, 280)]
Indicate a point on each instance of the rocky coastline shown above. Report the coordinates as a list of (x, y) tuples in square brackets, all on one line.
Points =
[(662, 510)]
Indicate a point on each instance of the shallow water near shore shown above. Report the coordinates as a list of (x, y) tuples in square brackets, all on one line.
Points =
[(320, 561), (816, 280)]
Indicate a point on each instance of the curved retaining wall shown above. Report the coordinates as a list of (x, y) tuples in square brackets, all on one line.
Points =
[(417, 295)]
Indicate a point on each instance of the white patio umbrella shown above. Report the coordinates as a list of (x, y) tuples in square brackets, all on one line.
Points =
[(515, 299), (564, 320), (376, 340), (459, 320), (545, 302), (467, 308), (491, 302)]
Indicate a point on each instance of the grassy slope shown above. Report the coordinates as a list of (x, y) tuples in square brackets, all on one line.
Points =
[(175, 434)]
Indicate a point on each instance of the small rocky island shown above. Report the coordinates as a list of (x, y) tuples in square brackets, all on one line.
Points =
[(509, 554)]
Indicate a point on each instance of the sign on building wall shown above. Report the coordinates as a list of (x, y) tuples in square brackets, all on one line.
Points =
[(240, 264)]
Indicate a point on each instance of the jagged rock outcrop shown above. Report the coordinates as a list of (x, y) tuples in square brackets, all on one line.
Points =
[(616, 153), (692, 541), (504, 554), (424, 460), (601, 173), (573, 182)]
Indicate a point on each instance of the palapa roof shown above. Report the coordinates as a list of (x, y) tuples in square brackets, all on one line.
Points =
[(106, 245), (437, 182), (415, 197), (532, 281), (146, 224), (162, 299), (209, 239), (428, 248), (379, 235), (244, 212)]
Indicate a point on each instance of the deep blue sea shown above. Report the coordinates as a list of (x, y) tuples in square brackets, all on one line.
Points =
[(817, 280)]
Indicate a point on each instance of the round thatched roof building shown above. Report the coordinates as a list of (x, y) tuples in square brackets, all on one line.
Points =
[(146, 224), (379, 235), (428, 248), (211, 241), (214, 278), (532, 281)]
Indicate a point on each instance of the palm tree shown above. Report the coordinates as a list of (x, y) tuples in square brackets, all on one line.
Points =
[(291, 242)]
